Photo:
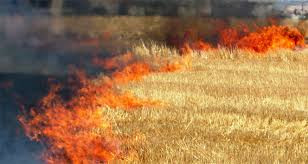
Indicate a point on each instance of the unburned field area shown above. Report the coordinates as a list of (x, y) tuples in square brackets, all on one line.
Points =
[(227, 107)]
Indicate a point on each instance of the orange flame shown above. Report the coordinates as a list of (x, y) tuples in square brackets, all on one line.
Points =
[(195, 46), (132, 72), (115, 62), (270, 38), (191, 42), (75, 134), (76, 130), (171, 67), (229, 37), (183, 63), (264, 39), (200, 45)]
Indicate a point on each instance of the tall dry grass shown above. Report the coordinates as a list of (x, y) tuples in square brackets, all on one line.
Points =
[(230, 106)]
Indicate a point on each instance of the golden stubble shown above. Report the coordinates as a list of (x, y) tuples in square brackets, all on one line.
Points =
[(229, 106)]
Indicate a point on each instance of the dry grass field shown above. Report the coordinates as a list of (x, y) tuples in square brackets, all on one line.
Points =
[(223, 106), (227, 107)]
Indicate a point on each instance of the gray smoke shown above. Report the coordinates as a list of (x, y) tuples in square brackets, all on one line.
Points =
[(36, 44), (35, 41), (262, 11), (21, 37)]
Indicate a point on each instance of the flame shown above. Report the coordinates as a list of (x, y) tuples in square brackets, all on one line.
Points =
[(74, 134), (181, 64), (76, 130), (262, 40), (186, 49), (229, 37), (115, 62), (271, 38), (193, 42), (200, 45), (171, 67), (132, 72)]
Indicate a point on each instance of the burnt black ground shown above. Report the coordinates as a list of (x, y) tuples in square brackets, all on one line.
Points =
[(24, 89), (19, 92)]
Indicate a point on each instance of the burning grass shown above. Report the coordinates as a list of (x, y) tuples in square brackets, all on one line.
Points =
[(207, 117), (76, 130), (271, 38), (263, 40)]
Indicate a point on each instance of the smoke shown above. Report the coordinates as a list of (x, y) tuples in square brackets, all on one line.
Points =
[(21, 40), (38, 44), (262, 11), (30, 44)]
